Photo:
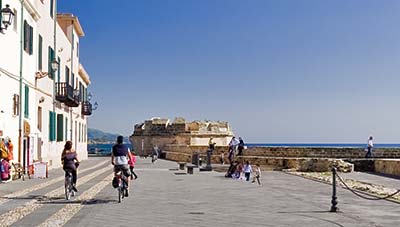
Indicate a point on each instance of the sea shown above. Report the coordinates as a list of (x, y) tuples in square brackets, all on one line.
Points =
[(105, 149)]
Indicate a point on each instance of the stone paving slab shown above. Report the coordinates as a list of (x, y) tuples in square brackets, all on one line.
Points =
[(161, 198)]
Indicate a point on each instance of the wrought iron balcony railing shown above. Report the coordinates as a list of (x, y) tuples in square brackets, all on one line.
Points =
[(65, 93)]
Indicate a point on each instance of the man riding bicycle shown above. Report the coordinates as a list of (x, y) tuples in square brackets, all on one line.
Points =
[(119, 158), (70, 162)]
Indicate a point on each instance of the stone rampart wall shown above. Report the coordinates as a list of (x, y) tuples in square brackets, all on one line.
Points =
[(387, 166), (294, 152)]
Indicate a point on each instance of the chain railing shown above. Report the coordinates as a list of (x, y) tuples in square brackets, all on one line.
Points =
[(368, 197)]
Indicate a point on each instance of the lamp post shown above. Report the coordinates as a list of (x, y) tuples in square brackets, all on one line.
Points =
[(7, 16)]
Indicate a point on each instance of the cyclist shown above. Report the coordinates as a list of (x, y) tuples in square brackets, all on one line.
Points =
[(70, 162), (119, 158)]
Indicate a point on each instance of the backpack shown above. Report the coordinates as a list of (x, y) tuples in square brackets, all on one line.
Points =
[(5, 174), (3, 151)]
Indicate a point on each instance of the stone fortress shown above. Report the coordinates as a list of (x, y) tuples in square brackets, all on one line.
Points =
[(179, 133)]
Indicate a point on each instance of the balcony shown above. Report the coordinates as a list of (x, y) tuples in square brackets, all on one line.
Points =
[(66, 94), (86, 108)]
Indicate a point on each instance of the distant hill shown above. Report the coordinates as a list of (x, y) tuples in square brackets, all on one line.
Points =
[(98, 136)]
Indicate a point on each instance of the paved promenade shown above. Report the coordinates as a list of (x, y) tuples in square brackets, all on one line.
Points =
[(160, 197)]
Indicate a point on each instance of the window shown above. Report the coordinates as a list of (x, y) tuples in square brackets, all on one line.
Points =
[(73, 81), (26, 102), (60, 127), (16, 105), (49, 60), (80, 132), (40, 47), (28, 38), (77, 49), (39, 116), (52, 126), (51, 8), (67, 74)]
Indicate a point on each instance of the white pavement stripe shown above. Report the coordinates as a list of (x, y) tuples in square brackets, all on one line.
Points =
[(43, 185), (68, 211), (18, 213)]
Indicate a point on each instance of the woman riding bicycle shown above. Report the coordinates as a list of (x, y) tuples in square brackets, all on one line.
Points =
[(70, 162)]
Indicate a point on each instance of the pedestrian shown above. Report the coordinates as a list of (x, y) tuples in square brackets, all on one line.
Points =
[(240, 147), (231, 156), (211, 144), (132, 162), (10, 148), (247, 170), (3, 150), (155, 154), (370, 145), (222, 158), (257, 174)]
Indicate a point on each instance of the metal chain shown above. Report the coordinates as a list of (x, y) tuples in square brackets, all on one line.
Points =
[(364, 197)]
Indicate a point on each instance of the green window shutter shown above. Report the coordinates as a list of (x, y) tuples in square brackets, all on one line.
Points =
[(26, 38), (66, 75), (30, 40), (51, 8), (40, 66), (58, 71), (73, 81), (66, 129), (51, 58), (52, 126), (26, 109), (49, 61), (60, 127)]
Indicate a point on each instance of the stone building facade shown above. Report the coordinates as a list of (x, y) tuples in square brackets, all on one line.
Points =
[(162, 133)]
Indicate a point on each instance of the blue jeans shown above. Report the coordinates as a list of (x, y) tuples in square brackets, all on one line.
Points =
[(369, 153)]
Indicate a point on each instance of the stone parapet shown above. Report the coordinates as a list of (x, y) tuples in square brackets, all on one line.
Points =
[(276, 163), (388, 166)]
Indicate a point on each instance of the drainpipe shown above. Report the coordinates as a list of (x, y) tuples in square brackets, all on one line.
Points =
[(55, 56), (21, 52), (72, 71)]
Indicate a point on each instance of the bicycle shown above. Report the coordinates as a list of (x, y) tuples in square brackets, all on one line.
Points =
[(68, 185), (122, 185)]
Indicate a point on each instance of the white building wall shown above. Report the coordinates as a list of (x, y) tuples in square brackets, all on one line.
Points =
[(40, 90)]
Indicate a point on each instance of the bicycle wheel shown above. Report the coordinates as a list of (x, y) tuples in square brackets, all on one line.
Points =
[(119, 194), (68, 187)]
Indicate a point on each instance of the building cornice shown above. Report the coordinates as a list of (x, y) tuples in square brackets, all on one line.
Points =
[(31, 9), (84, 75), (68, 17)]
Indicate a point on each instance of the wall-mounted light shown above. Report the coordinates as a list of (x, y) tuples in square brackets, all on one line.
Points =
[(41, 100), (54, 67), (7, 16)]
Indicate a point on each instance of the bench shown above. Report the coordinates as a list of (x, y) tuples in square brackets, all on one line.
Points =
[(182, 165), (190, 168)]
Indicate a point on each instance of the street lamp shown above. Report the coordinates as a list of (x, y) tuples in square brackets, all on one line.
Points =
[(54, 68), (6, 17), (95, 106), (55, 65)]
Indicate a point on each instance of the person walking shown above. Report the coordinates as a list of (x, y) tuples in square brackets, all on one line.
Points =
[(211, 144), (257, 174), (370, 145), (247, 170), (132, 162), (240, 147), (10, 148)]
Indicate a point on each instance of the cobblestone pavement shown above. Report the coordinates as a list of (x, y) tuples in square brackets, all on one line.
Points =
[(164, 196)]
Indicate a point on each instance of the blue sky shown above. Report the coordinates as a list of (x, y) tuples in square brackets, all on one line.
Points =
[(278, 71)]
